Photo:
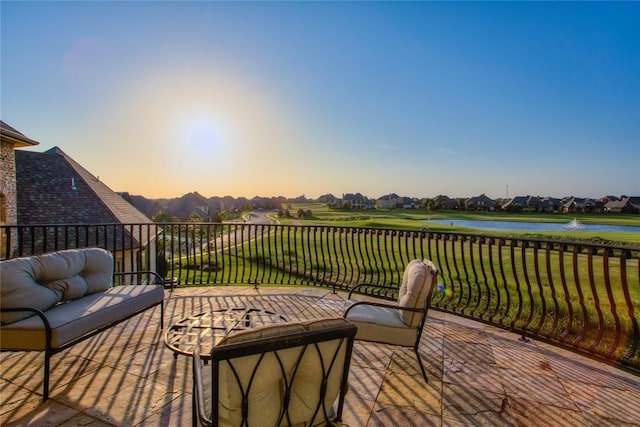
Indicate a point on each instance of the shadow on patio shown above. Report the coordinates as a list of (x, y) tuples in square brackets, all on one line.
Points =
[(478, 375)]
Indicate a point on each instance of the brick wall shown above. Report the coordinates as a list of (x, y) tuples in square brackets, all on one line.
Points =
[(8, 208), (8, 181)]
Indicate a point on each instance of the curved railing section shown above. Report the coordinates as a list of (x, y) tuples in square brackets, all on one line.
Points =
[(581, 296)]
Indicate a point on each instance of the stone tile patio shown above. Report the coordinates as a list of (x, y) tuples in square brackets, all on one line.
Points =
[(478, 375)]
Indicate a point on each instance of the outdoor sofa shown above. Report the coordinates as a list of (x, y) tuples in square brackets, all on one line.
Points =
[(53, 301)]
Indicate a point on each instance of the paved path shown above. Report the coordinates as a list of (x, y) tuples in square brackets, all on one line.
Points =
[(478, 375)]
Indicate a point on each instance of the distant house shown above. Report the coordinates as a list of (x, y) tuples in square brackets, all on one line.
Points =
[(607, 199), (52, 188), (533, 204), (625, 205), (480, 203), (581, 205), (530, 203), (516, 204), (389, 201), (327, 198), (356, 201), (444, 202), (550, 204), (409, 203)]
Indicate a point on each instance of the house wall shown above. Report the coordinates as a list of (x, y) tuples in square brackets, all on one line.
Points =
[(8, 181), (8, 199)]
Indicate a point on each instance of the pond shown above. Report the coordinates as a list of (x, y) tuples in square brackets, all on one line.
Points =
[(573, 225)]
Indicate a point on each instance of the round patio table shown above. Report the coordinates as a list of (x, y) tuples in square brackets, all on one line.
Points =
[(205, 330)]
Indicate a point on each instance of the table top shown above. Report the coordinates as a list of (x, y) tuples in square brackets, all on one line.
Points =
[(205, 330)]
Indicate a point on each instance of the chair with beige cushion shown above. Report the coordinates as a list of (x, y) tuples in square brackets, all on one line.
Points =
[(397, 323), (289, 374)]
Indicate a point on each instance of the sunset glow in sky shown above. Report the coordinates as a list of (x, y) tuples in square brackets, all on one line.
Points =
[(290, 98)]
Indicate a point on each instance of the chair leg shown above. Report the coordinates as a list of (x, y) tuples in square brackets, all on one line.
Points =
[(45, 381), (162, 315), (194, 409), (424, 373)]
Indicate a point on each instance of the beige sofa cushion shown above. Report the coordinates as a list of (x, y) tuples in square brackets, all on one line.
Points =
[(76, 272), (75, 318), (98, 270), (42, 281), (19, 289), (417, 282)]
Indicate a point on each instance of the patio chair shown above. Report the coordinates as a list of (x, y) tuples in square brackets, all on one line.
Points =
[(397, 323), (286, 374)]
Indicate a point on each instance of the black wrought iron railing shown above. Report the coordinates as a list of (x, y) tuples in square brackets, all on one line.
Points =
[(581, 296)]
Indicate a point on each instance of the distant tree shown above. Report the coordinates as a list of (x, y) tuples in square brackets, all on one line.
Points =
[(162, 216), (194, 217), (428, 204), (304, 214), (215, 216)]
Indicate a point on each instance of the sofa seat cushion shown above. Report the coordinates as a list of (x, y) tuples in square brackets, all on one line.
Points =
[(73, 319), (381, 324)]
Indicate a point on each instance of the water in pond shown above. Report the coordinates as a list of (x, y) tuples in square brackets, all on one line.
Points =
[(573, 225)]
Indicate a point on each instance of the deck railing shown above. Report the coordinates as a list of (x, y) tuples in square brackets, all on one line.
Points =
[(581, 296)]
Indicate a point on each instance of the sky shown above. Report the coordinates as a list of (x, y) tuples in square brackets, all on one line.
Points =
[(307, 98)]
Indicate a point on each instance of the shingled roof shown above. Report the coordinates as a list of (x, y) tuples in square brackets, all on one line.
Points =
[(17, 138), (52, 188)]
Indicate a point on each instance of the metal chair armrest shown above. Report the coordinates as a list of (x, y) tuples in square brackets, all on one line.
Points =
[(159, 279), (360, 285), (198, 390)]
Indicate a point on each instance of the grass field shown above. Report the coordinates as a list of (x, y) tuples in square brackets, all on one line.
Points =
[(413, 219)]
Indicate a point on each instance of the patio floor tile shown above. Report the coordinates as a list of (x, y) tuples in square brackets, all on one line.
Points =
[(478, 375)]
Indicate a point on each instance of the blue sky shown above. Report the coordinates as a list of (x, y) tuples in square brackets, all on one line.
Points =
[(291, 98)]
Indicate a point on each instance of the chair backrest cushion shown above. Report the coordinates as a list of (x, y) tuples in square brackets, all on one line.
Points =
[(265, 377), (415, 292), (326, 360), (41, 281), (237, 378)]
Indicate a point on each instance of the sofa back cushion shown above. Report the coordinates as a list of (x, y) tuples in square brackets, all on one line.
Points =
[(98, 270), (19, 290), (42, 281), (415, 292)]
